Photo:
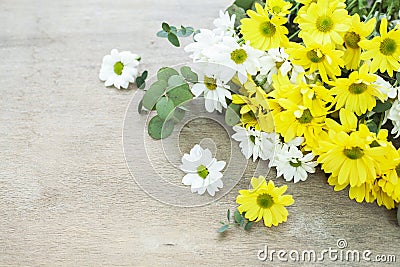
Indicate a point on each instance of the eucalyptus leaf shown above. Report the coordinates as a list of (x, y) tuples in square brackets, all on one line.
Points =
[(237, 217), (223, 228), (140, 107), (140, 83), (238, 11), (242, 221), (189, 75), (232, 116), (181, 94), (162, 34), (152, 95), (173, 39), (382, 106), (245, 4), (144, 74), (165, 107), (165, 73), (160, 129), (175, 81), (185, 31), (178, 114)]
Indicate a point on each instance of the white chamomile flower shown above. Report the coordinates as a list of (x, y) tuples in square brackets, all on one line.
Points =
[(254, 143), (241, 59), (225, 24), (215, 89), (394, 116), (202, 41), (119, 68), (292, 164), (276, 59), (203, 172), (386, 88)]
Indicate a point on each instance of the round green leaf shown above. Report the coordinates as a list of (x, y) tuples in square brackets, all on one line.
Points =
[(232, 116), (160, 129), (165, 73), (175, 81), (189, 75), (173, 39), (164, 107), (178, 114), (162, 34), (180, 94), (140, 83), (382, 106), (154, 93), (144, 75)]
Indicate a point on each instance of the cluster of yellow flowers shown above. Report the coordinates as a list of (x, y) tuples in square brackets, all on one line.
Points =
[(333, 43)]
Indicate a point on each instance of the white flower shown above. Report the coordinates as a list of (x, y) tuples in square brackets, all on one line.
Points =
[(386, 88), (203, 40), (225, 24), (203, 172), (256, 144), (242, 59), (291, 163), (119, 68), (277, 59), (215, 89), (394, 116)]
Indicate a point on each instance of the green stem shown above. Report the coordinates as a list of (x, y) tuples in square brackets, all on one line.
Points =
[(294, 34), (381, 121), (373, 8)]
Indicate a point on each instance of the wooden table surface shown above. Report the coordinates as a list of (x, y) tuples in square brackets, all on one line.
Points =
[(67, 197)]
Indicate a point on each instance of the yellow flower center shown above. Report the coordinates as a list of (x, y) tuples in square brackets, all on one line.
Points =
[(306, 117), (358, 88), (265, 201), (295, 164), (354, 152), (324, 24), (351, 40), (239, 56), (210, 83), (267, 29), (313, 57), (388, 46), (118, 67), (202, 171), (398, 170)]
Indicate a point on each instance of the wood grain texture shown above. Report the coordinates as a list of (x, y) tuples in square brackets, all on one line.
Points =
[(66, 195)]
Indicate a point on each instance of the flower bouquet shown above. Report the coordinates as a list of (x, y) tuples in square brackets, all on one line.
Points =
[(303, 84)]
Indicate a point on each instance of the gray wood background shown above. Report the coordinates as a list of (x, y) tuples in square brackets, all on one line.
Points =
[(67, 197)]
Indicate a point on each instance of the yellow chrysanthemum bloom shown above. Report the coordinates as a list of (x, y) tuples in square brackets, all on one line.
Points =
[(384, 50), (390, 182), (358, 31), (262, 32), (350, 157), (264, 201), (278, 8), (324, 22), (324, 58), (357, 93)]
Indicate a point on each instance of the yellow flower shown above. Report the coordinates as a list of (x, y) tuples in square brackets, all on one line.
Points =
[(357, 92), (324, 22), (390, 182), (324, 58), (262, 32), (279, 8), (384, 50), (264, 201), (357, 32)]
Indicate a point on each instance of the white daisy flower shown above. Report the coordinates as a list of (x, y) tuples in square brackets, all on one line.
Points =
[(394, 116), (241, 59), (255, 144), (292, 164), (386, 88), (203, 172), (276, 59), (225, 24), (213, 85), (119, 68), (203, 40)]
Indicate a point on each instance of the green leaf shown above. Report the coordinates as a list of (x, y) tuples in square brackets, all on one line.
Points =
[(152, 95), (238, 11), (248, 226), (223, 228), (228, 215), (372, 126), (398, 215), (140, 83), (232, 116), (175, 81), (173, 39), (245, 4), (144, 74), (165, 73), (189, 75), (140, 106), (164, 107), (185, 31), (237, 217), (178, 114), (160, 129), (166, 27), (242, 221), (162, 34), (382, 106), (181, 94), (398, 77)]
